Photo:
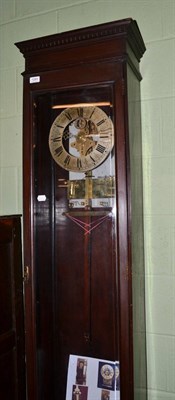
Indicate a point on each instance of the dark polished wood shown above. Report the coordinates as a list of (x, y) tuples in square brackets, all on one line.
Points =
[(83, 45), (12, 351), (79, 292)]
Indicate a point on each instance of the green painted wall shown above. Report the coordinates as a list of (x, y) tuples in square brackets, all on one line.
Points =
[(24, 19)]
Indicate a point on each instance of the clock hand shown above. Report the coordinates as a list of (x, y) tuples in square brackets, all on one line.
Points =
[(104, 135)]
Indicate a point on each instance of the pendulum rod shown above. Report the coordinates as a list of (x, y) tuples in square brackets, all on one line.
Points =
[(87, 262), (88, 189), (87, 288)]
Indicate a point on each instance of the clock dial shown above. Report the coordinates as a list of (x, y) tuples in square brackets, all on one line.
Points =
[(107, 371), (81, 138)]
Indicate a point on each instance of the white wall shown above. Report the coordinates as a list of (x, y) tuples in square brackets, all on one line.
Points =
[(24, 19)]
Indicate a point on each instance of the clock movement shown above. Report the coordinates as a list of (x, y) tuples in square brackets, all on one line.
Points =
[(89, 132), (83, 211)]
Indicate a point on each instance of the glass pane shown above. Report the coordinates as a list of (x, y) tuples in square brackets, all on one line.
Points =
[(75, 231)]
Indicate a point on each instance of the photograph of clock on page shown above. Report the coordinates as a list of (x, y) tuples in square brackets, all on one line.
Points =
[(91, 378)]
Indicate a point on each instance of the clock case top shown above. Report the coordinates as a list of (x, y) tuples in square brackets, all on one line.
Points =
[(103, 48), (97, 43)]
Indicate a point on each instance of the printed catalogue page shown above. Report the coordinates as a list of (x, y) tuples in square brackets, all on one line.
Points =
[(92, 379)]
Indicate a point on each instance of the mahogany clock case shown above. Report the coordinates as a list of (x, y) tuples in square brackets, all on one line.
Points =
[(85, 289)]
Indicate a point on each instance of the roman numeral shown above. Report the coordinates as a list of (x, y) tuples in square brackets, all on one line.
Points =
[(105, 134), (100, 148), (67, 160), (68, 116), (80, 112), (56, 139), (59, 126), (91, 113), (100, 122), (92, 159), (59, 151), (79, 164)]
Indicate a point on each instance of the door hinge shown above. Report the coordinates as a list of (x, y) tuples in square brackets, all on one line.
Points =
[(26, 274)]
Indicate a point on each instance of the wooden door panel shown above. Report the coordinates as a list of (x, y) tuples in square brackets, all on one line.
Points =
[(6, 322), (8, 389), (12, 355)]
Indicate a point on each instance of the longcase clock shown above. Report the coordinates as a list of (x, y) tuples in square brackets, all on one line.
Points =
[(83, 217)]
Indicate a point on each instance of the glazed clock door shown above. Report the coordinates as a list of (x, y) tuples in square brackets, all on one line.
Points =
[(75, 231)]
